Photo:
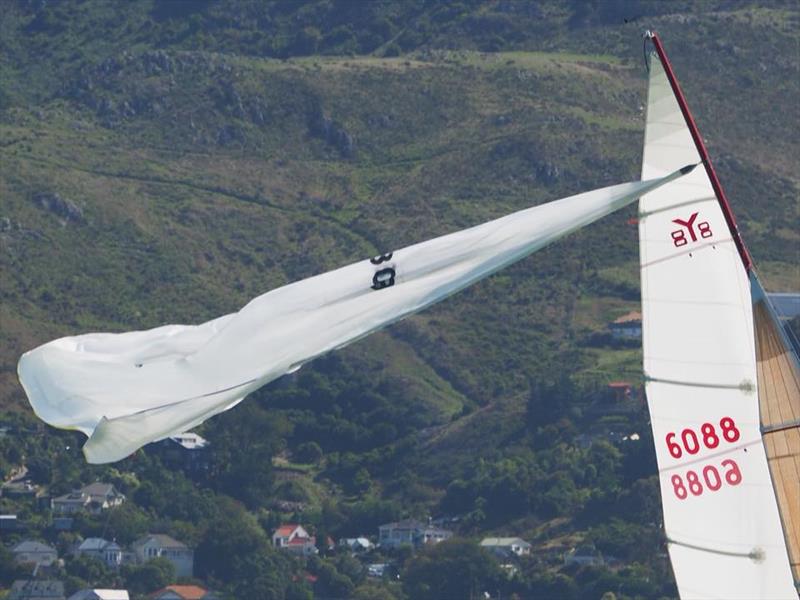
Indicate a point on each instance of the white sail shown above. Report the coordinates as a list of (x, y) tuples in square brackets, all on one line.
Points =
[(125, 390), (720, 512)]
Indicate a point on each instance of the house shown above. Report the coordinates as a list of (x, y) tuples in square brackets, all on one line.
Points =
[(183, 592), (628, 326), (20, 489), (63, 523), (505, 547), (157, 545), (295, 539), (410, 532), (30, 551), (93, 498), (100, 595), (9, 523), (109, 553), (359, 544), (188, 451), (584, 556), (377, 569), (40, 589), (620, 390)]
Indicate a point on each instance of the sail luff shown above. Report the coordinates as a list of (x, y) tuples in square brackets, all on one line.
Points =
[(719, 191)]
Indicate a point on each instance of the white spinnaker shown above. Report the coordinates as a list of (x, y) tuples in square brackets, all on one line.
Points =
[(125, 390), (720, 512)]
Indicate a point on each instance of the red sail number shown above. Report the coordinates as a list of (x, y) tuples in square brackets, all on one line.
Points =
[(709, 479), (691, 442)]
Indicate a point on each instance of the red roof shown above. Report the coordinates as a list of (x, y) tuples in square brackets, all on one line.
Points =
[(619, 384), (286, 530), (187, 592), (629, 318)]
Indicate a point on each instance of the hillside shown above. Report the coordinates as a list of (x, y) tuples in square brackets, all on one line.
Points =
[(160, 163)]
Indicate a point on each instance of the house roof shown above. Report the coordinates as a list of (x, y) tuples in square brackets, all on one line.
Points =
[(98, 594), (32, 546), (187, 592), (285, 530), (631, 318), (97, 544), (161, 539), (99, 489), (406, 524), (620, 384), (41, 588), (504, 541), (190, 441)]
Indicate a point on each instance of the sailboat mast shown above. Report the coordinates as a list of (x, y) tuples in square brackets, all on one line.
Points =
[(701, 149)]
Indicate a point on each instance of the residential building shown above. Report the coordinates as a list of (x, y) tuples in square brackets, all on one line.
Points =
[(157, 545), (295, 539), (63, 523), (93, 498), (39, 589), (33, 552), (109, 553), (100, 595), (628, 326), (9, 523), (584, 556), (506, 547), (183, 592), (410, 532), (19, 489), (188, 451), (359, 544)]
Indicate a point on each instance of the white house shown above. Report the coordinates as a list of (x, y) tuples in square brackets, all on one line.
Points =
[(506, 546), (410, 532), (33, 552), (157, 545), (93, 498), (107, 552), (359, 544), (100, 595), (295, 539)]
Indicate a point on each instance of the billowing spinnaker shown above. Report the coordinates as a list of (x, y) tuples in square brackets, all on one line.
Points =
[(125, 390), (720, 513)]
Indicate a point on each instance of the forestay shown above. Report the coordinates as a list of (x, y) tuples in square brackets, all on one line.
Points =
[(125, 390), (720, 513)]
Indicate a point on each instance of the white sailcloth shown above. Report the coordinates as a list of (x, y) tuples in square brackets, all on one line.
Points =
[(720, 512), (125, 390)]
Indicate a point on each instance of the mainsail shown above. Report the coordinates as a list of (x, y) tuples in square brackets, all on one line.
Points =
[(718, 373), (125, 390)]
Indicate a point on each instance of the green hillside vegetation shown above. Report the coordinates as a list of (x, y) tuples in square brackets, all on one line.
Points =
[(167, 162)]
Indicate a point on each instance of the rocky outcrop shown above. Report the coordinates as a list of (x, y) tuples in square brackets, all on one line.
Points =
[(62, 207)]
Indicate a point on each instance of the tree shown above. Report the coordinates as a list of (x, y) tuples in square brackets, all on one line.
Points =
[(154, 574), (451, 569)]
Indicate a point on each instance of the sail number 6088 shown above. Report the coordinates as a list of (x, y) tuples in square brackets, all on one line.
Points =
[(711, 480), (691, 442)]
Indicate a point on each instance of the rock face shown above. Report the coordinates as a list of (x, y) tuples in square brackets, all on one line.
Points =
[(62, 207), (322, 126)]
